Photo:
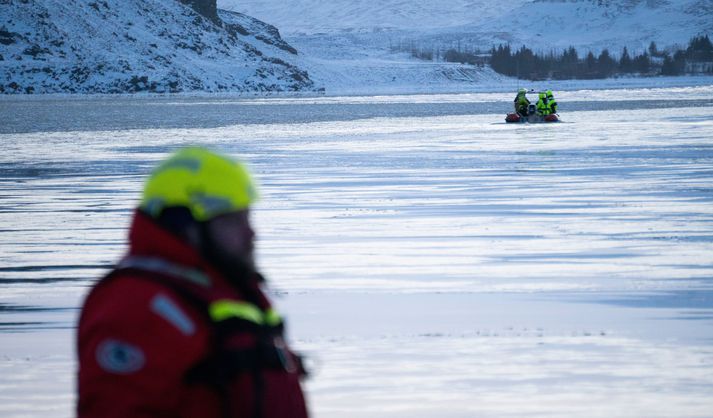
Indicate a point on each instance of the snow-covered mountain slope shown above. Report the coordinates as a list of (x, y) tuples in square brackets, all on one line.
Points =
[(362, 64), (309, 17), (86, 46), (541, 24), (360, 46), (599, 24)]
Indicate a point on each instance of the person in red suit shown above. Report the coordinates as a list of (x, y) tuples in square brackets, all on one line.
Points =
[(181, 327)]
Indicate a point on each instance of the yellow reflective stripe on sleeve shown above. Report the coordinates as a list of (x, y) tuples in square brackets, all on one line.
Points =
[(226, 309), (272, 318), (222, 310)]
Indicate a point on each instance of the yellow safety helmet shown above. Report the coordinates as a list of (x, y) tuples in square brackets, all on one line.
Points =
[(206, 183), (549, 93)]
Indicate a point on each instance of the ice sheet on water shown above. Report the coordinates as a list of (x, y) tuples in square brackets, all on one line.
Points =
[(148, 112), (410, 244)]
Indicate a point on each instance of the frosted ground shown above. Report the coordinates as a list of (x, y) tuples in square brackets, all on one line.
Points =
[(432, 260)]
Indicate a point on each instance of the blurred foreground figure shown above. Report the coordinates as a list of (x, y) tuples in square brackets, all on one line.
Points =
[(181, 327)]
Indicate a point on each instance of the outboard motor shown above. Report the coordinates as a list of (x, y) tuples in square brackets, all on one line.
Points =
[(531, 109)]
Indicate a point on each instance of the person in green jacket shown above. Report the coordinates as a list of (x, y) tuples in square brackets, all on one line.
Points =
[(521, 102), (542, 107), (551, 102)]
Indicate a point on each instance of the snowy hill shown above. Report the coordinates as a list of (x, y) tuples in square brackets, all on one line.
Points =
[(545, 24), (84, 46), (309, 17), (597, 24), (361, 46), (97, 46)]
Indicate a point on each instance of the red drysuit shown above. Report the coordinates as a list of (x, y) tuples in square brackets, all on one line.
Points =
[(166, 335)]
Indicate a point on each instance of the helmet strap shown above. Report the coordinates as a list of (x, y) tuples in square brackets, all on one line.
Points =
[(179, 221)]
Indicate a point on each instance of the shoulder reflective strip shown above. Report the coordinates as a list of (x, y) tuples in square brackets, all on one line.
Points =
[(168, 310), (158, 265), (272, 318), (226, 309)]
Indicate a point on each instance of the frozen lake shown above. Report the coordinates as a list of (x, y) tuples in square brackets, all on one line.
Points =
[(431, 259)]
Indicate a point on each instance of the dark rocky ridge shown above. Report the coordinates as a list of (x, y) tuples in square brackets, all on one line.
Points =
[(207, 8)]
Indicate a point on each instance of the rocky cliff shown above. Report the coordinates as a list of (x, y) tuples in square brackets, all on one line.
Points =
[(207, 8)]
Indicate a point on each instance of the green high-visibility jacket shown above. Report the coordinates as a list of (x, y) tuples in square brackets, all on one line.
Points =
[(521, 100), (542, 106), (552, 104)]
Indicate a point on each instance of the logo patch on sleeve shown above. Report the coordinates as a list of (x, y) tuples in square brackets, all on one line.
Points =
[(120, 357)]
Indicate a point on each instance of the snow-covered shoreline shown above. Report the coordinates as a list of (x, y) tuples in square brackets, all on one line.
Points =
[(504, 85)]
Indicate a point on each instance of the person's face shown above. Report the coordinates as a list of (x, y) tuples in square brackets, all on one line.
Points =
[(233, 237)]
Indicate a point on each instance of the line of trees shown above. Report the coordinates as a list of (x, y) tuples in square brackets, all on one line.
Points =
[(696, 58), (524, 63)]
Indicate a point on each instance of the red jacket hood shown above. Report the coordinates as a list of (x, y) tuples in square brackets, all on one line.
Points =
[(148, 239)]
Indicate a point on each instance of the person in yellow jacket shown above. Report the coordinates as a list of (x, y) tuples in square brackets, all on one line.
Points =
[(521, 102), (542, 105), (551, 102)]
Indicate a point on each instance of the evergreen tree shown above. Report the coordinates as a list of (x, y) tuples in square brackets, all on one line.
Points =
[(700, 49), (567, 64), (500, 60), (606, 64), (668, 67), (590, 66), (642, 63), (527, 63), (653, 50), (625, 63), (679, 61)]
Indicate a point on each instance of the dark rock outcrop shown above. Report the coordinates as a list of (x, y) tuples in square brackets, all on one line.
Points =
[(207, 8), (238, 23)]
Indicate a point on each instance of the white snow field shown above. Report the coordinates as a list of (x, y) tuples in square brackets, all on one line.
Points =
[(348, 47), (431, 262), (541, 24)]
